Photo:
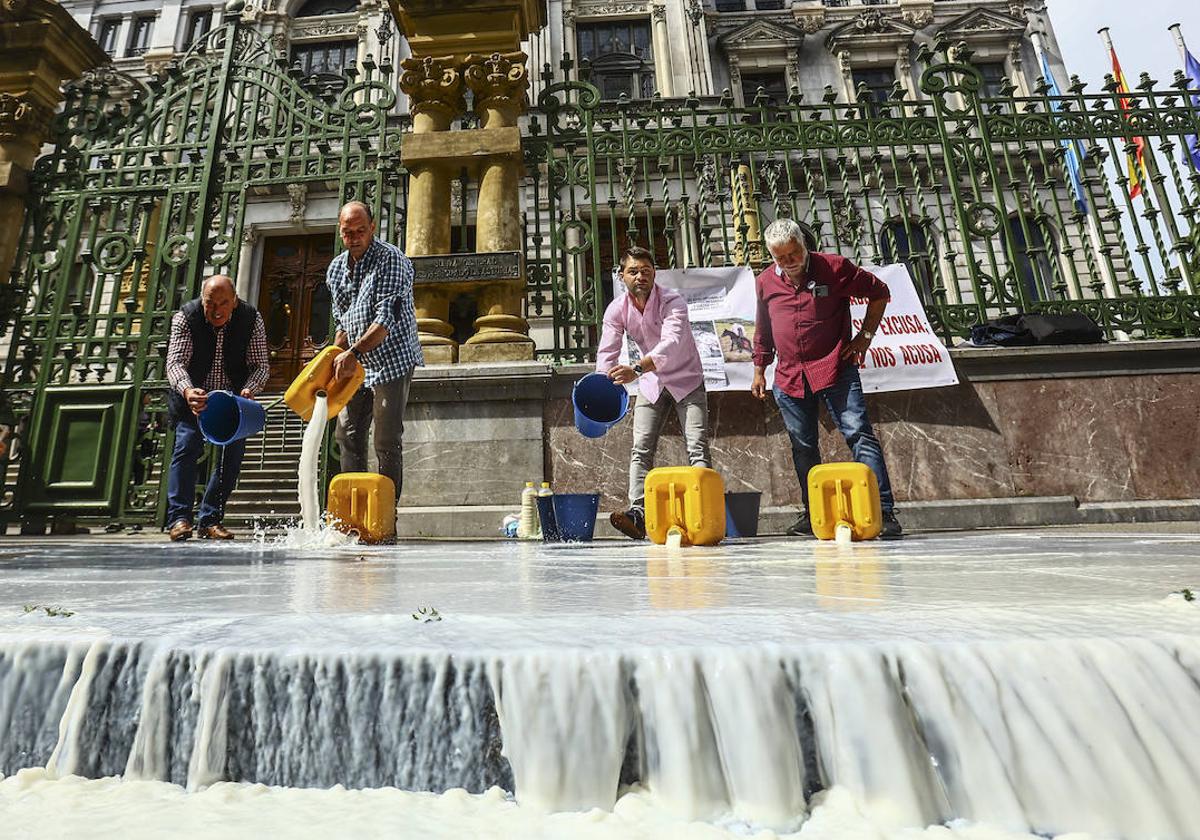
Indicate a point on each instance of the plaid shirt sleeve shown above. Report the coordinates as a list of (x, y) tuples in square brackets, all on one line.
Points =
[(257, 358), (393, 280), (179, 354)]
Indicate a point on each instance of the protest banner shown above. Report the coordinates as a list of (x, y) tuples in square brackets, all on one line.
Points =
[(906, 354)]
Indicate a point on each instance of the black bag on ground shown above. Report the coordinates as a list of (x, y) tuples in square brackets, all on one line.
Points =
[(1027, 329), (1002, 332)]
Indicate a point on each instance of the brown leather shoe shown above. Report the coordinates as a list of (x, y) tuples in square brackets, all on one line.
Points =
[(181, 530), (216, 531)]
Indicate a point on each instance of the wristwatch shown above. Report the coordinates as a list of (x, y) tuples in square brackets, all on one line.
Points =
[(868, 333), (358, 354), (637, 369)]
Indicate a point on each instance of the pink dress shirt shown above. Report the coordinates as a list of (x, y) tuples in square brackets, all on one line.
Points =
[(661, 332)]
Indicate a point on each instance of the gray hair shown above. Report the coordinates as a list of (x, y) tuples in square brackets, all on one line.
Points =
[(782, 231)]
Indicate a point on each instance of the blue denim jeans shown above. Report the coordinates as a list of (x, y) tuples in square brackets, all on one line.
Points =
[(848, 408), (181, 481)]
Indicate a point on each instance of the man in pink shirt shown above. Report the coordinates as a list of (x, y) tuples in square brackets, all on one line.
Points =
[(804, 321), (669, 375)]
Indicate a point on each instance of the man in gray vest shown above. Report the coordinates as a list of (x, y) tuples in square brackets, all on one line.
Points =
[(218, 343)]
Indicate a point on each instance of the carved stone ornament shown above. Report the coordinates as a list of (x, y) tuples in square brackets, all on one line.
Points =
[(918, 19), (811, 23), (322, 28), (298, 195), (603, 9), (497, 80), (432, 84), (870, 21), (19, 118), (658, 13)]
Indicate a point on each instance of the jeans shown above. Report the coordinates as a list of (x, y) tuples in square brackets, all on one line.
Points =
[(385, 404), (181, 481), (648, 420), (848, 408)]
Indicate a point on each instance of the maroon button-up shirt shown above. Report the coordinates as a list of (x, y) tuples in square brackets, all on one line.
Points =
[(807, 326)]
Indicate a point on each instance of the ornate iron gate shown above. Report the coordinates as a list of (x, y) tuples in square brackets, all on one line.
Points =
[(144, 195)]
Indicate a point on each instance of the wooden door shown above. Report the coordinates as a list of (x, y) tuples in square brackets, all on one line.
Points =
[(294, 302)]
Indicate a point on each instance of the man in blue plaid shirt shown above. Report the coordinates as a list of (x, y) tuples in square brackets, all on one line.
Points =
[(371, 284)]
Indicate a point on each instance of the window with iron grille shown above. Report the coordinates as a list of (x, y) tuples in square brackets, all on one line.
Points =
[(325, 60), (199, 25), (994, 77), (908, 241), (620, 56), (139, 35), (110, 29), (774, 85), (878, 81)]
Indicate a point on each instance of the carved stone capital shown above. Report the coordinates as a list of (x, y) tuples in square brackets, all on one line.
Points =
[(434, 86), (21, 119), (658, 13), (498, 81)]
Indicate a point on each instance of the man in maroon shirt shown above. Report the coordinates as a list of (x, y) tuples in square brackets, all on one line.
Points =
[(803, 322)]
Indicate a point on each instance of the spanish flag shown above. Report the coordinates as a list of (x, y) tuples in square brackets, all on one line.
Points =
[(1137, 166)]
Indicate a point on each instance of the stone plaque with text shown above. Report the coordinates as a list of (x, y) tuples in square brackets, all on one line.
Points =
[(467, 268)]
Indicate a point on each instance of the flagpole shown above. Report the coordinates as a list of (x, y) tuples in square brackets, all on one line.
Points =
[(1152, 181), (1176, 30), (1110, 282)]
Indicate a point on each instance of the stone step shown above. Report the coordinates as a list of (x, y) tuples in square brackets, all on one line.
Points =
[(282, 486)]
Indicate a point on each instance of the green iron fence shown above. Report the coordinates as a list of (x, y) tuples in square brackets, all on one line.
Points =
[(144, 194), (972, 192)]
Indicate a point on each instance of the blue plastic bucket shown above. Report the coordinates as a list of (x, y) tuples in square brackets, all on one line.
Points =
[(545, 505), (575, 515), (599, 403), (741, 514), (228, 417)]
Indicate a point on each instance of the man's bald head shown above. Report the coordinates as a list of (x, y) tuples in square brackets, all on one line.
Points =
[(357, 228), (218, 297)]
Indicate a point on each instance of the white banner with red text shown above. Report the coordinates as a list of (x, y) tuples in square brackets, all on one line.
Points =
[(904, 355)]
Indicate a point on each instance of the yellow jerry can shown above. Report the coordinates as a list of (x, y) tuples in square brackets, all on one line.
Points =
[(318, 376), (691, 499), (363, 503), (844, 494)]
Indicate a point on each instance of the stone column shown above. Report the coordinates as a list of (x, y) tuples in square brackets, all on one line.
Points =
[(434, 88), (570, 41), (662, 51), (245, 273), (499, 83), (43, 46), (748, 247)]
